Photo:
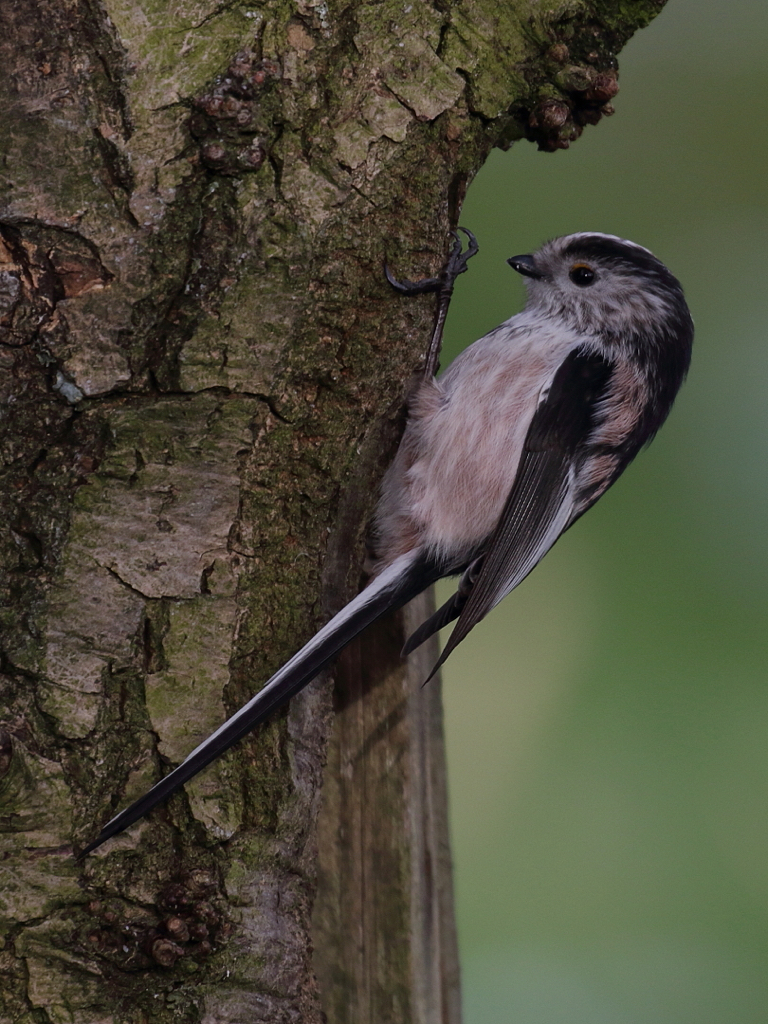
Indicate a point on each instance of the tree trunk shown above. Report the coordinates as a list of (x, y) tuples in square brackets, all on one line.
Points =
[(203, 380)]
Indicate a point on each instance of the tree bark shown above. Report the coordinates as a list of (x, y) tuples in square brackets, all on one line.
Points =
[(203, 380)]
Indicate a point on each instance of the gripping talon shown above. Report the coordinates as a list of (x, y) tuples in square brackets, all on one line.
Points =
[(456, 264), (406, 287), (457, 261)]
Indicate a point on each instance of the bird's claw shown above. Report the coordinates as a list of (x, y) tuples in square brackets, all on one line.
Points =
[(455, 265), (406, 287), (458, 260)]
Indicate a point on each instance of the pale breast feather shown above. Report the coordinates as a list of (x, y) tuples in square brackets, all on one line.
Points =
[(540, 504)]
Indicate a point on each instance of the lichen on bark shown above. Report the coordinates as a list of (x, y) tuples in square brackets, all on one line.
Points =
[(203, 378)]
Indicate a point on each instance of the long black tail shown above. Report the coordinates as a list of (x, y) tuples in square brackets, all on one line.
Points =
[(406, 577)]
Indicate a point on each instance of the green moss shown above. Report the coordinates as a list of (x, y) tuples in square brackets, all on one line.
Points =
[(489, 48), (625, 17), (35, 809), (175, 51)]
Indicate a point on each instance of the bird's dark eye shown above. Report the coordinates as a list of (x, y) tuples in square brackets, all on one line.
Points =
[(581, 274)]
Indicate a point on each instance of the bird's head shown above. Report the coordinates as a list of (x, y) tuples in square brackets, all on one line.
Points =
[(605, 287)]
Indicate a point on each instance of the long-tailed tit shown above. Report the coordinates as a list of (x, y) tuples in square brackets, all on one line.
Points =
[(502, 453)]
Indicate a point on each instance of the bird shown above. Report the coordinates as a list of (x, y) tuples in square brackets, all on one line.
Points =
[(501, 454)]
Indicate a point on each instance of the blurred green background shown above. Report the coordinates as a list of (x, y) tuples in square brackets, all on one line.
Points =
[(608, 725)]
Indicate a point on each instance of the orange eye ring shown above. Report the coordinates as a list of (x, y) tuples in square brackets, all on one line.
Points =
[(581, 274)]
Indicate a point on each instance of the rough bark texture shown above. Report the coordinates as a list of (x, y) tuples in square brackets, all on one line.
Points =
[(203, 376)]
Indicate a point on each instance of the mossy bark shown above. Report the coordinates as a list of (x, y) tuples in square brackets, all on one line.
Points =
[(203, 377)]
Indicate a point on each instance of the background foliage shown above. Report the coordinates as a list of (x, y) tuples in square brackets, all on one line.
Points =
[(608, 727)]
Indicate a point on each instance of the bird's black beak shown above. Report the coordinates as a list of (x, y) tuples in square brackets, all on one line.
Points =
[(525, 265)]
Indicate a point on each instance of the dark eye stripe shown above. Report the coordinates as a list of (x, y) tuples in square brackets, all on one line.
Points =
[(621, 256)]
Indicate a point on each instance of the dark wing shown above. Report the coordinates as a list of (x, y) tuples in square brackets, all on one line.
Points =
[(445, 613), (540, 503)]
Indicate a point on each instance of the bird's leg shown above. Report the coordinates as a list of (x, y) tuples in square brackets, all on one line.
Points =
[(456, 264)]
